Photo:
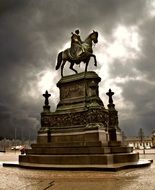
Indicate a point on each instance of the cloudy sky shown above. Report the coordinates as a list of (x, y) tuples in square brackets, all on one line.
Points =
[(33, 32)]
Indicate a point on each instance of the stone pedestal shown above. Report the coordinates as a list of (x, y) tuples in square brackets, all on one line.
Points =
[(79, 93), (81, 131)]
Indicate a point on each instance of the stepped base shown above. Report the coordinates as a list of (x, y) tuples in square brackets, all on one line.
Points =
[(88, 146), (86, 159), (92, 167), (75, 149)]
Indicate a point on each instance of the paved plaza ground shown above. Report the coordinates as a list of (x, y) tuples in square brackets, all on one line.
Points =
[(26, 179)]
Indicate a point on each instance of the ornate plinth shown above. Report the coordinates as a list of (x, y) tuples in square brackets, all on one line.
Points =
[(81, 131), (79, 92)]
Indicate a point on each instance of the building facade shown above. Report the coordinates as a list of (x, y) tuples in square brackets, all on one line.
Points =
[(138, 143)]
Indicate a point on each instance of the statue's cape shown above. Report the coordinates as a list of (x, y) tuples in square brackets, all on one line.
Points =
[(77, 51)]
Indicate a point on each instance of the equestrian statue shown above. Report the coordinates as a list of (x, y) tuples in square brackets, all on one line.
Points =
[(80, 51)]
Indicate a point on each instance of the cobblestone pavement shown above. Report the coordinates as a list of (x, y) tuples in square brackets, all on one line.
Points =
[(25, 179)]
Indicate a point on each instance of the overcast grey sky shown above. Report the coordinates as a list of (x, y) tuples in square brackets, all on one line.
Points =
[(33, 32)]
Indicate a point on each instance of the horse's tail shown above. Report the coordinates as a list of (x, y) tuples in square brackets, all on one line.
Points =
[(59, 60)]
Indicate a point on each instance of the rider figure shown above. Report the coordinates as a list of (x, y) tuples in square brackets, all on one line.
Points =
[(76, 45)]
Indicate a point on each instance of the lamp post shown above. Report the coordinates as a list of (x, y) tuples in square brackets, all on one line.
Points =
[(141, 136)]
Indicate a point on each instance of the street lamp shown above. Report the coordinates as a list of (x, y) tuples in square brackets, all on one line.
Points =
[(141, 136)]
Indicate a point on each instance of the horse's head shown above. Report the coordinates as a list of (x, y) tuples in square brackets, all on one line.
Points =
[(94, 36)]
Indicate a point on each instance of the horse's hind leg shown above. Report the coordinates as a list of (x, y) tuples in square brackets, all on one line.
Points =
[(71, 67), (62, 67)]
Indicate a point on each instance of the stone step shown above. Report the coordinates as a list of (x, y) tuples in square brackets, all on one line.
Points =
[(87, 167), (80, 159), (78, 150), (67, 144)]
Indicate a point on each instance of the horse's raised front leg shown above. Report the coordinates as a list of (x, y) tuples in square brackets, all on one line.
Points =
[(86, 66), (71, 67), (94, 59), (62, 67)]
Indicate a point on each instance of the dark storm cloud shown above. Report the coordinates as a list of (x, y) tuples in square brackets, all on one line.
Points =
[(147, 64), (10, 5), (139, 90), (140, 94), (33, 32), (19, 47), (123, 70)]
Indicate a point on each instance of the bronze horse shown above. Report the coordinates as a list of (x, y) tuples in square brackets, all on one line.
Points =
[(84, 57)]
